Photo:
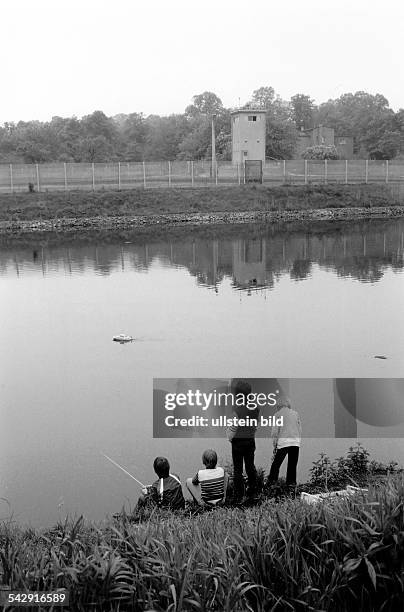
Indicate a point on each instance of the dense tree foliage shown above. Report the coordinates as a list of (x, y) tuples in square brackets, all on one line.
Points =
[(302, 111), (378, 132)]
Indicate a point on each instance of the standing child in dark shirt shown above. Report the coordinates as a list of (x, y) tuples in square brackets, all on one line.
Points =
[(242, 439), (166, 492)]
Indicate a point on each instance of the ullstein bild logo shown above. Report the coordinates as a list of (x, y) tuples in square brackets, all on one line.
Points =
[(327, 407)]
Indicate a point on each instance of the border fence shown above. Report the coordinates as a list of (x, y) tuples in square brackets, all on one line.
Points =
[(129, 175)]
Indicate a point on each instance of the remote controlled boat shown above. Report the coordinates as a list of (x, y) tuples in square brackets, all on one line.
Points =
[(123, 338)]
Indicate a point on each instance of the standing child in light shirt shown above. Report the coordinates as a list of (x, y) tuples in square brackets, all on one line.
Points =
[(286, 440)]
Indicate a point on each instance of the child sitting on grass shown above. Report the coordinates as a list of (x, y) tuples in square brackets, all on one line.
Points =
[(166, 492), (208, 486)]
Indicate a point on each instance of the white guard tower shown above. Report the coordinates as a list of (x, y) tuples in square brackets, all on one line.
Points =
[(248, 135)]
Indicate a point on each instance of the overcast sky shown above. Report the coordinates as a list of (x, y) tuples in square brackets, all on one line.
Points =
[(72, 57)]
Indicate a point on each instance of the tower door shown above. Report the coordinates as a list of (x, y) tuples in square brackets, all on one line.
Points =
[(253, 170)]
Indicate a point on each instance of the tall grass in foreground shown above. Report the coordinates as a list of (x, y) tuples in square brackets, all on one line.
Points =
[(344, 555)]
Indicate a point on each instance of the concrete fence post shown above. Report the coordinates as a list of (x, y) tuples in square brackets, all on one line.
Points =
[(284, 170), (366, 170), (346, 172), (192, 173), (11, 178), (238, 173), (144, 175), (65, 174), (119, 176), (244, 173), (93, 175), (387, 170), (38, 185), (305, 171), (169, 174), (325, 170), (215, 164)]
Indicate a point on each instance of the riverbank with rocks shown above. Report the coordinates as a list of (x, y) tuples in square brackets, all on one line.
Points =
[(104, 223), (23, 213)]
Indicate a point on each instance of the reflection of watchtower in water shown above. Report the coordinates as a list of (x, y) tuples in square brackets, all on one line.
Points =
[(249, 263)]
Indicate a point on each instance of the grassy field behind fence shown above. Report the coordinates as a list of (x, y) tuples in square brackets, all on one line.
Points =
[(129, 175)]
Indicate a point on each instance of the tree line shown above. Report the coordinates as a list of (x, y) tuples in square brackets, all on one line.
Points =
[(377, 130)]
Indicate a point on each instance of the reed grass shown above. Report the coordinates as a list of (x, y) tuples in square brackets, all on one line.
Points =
[(339, 556)]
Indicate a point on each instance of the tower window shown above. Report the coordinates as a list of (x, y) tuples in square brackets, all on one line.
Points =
[(252, 117)]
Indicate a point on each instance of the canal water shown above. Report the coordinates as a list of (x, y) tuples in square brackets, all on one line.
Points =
[(321, 300)]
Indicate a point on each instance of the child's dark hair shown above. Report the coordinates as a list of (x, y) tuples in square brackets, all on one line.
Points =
[(242, 387), (161, 467), (209, 458)]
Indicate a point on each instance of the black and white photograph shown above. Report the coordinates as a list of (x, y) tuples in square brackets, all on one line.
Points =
[(201, 306)]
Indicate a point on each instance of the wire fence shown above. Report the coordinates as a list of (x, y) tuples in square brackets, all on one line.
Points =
[(122, 175)]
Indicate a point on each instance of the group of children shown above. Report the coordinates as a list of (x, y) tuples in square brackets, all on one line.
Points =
[(209, 485)]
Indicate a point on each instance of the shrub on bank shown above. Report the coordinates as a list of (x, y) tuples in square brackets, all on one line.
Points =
[(355, 468)]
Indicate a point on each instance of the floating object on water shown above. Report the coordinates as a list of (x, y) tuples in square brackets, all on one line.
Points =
[(123, 338), (380, 357), (312, 498)]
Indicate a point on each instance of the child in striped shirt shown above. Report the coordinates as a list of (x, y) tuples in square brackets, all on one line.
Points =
[(208, 486)]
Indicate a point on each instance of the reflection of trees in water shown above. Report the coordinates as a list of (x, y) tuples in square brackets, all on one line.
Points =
[(363, 269), (208, 279), (301, 269), (256, 259)]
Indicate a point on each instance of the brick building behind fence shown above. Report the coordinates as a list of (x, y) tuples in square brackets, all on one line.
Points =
[(322, 135)]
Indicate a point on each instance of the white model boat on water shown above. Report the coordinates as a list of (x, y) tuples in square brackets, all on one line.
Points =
[(123, 338)]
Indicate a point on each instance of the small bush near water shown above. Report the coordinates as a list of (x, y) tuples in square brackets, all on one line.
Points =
[(342, 555)]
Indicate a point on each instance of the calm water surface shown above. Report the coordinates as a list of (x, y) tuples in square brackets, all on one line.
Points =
[(224, 302)]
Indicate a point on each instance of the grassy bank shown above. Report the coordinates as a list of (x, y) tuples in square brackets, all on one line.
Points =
[(84, 204), (276, 556), (281, 554)]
